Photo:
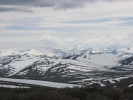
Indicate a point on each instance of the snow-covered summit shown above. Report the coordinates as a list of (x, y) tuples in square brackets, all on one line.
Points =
[(51, 52), (126, 50)]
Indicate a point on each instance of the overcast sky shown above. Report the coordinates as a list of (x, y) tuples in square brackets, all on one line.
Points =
[(66, 23)]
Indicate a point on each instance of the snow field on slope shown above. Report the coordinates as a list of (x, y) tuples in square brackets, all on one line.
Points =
[(79, 68), (80, 65), (19, 64), (103, 59), (126, 50), (0, 65)]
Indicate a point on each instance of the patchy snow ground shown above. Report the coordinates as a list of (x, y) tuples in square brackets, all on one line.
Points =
[(121, 78), (130, 85), (13, 86)]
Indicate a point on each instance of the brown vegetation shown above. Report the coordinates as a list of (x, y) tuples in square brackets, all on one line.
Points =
[(45, 93)]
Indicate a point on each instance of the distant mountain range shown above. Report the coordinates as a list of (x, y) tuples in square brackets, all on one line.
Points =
[(92, 66)]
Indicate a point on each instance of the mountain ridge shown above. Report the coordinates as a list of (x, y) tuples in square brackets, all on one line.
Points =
[(69, 66)]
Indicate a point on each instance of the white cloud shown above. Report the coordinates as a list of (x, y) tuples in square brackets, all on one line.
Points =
[(69, 40), (47, 39), (116, 41), (113, 41)]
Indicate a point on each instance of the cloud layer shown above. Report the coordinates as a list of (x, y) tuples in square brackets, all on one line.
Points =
[(116, 41), (9, 9), (57, 4), (66, 23)]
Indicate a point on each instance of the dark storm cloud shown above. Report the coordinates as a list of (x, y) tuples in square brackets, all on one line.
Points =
[(14, 9), (57, 4), (41, 3)]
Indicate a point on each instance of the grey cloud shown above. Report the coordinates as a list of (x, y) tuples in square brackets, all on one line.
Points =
[(57, 4), (14, 9), (45, 3), (16, 2)]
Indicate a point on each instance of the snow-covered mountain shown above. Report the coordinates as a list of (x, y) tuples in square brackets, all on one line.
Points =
[(67, 65), (63, 52)]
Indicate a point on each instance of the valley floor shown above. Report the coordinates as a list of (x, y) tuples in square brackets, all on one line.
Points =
[(38, 83), (76, 93)]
